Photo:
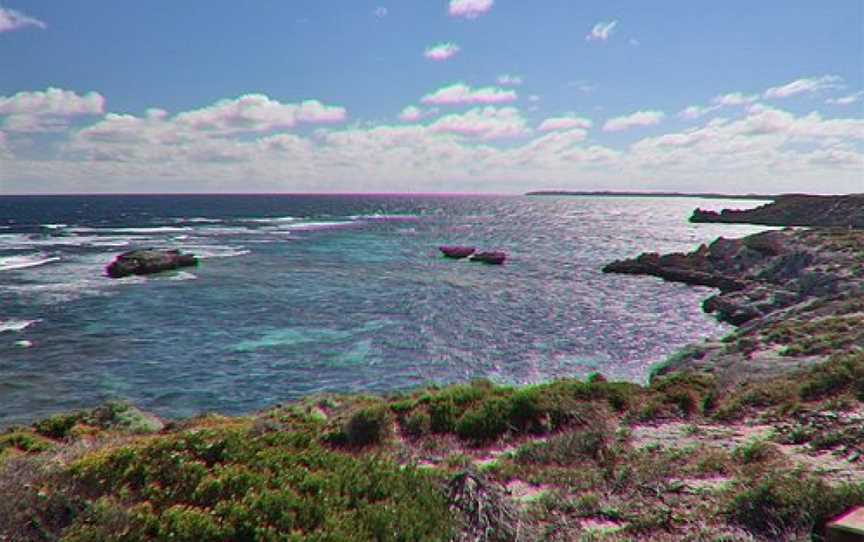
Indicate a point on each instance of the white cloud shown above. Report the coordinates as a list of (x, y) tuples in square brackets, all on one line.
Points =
[(413, 113), (258, 113), (639, 118), (508, 80), (564, 123), (734, 99), (692, 112), (469, 9), (442, 51), (460, 93), (380, 12), (53, 101), (483, 149), (602, 31), (731, 99), (48, 110), (13, 20), (534, 98), (807, 85), (846, 100), (484, 123)]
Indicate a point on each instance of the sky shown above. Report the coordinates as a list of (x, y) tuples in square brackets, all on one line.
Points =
[(498, 96)]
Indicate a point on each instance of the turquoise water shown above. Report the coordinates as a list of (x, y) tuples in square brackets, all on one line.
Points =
[(302, 294)]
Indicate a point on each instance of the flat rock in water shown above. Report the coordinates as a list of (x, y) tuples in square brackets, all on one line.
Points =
[(495, 257), (148, 261), (456, 252)]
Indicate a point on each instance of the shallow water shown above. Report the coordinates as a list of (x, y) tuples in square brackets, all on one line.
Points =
[(301, 294)]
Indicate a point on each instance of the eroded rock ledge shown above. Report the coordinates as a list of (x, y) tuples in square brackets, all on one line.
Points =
[(795, 210), (796, 295)]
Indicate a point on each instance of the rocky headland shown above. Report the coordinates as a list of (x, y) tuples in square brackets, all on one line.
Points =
[(755, 437), (845, 211), (796, 295)]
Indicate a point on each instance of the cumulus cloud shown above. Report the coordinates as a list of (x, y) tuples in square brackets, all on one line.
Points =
[(779, 150), (48, 110), (380, 12), (508, 80), (731, 99), (441, 51), (13, 20), (469, 9), (258, 113), (53, 101), (692, 112), (807, 85), (846, 100), (734, 98), (564, 123), (602, 31), (413, 113), (484, 123), (633, 120), (460, 93)]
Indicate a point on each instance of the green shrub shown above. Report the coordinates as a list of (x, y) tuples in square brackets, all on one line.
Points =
[(485, 422), (787, 502), (371, 425), (568, 448), (417, 424), (57, 426)]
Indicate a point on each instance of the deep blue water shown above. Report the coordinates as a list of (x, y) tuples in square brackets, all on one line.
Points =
[(300, 294)]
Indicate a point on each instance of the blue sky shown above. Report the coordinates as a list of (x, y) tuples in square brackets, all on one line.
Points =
[(430, 96)]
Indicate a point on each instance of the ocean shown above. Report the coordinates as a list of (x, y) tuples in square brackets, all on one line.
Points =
[(296, 295)]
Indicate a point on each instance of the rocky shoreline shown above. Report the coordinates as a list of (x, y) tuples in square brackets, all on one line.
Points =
[(758, 436), (795, 210)]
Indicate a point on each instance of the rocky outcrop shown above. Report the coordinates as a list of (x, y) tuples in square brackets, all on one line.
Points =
[(148, 261), (456, 252), (494, 257), (762, 273), (795, 210)]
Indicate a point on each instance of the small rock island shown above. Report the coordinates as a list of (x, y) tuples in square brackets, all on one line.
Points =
[(148, 261)]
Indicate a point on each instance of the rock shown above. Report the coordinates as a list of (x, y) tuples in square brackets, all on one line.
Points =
[(456, 252), (148, 261), (494, 257), (795, 210)]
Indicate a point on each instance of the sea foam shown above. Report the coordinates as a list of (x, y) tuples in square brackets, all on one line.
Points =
[(11, 263)]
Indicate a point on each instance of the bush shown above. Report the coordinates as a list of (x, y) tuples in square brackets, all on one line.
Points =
[(371, 425), (568, 448), (787, 502)]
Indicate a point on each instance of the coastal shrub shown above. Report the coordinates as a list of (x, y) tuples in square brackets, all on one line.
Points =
[(23, 441), (486, 422), (417, 424), (370, 425), (568, 448), (225, 483), (755, 451), (837, 375), (782, 502), (442, 414), (57, 426), (687, 391)]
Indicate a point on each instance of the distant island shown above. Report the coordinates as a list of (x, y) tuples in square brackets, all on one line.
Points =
[(614, 194)]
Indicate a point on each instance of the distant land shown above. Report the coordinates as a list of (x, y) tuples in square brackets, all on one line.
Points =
[(613, 194)]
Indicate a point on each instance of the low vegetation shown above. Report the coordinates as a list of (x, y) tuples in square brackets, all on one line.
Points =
[(385, 468)]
